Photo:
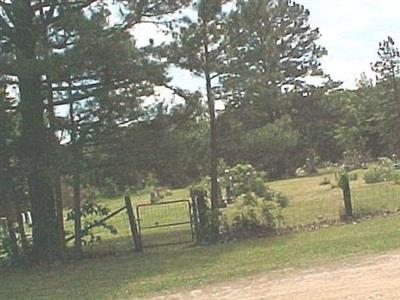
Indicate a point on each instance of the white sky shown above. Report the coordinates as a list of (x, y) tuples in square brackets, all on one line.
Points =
[(351, 31)]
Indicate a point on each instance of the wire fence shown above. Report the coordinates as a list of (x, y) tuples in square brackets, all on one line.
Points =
[(165, 223), (327, 207), (170, 223)]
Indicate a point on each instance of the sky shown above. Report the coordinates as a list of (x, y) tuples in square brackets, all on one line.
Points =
[(351, 31)]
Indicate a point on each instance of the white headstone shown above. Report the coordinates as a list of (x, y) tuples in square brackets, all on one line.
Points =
[(28, 218)]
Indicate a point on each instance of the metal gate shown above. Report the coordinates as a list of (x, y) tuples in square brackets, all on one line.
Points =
[(165, 223)]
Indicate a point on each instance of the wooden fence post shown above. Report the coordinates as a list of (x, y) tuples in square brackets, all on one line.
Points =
[(137, 239), (195, 217), (345, 186)]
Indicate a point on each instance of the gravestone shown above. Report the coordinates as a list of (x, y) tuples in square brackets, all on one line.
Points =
[(28, 218)]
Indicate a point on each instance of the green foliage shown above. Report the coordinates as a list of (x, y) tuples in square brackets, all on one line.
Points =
[(378, 174), (250, 216), (256, 207), (247, 180), (109, 188), (9, 255), (387, 69), (92, 213), (266, 147)]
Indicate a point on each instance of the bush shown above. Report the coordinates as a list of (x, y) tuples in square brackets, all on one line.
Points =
[(378, 174), (250, 215), (256, 207), (246, 179), (92, 213)]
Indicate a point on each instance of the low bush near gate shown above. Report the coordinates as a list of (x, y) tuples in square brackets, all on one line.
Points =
[(256, 209)]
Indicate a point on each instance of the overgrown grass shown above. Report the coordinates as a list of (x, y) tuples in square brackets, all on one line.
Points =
[(162, 269)]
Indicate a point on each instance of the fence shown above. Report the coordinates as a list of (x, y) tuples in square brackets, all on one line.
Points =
[(327, 205), (165, 223), (117, 232), (171, 222)]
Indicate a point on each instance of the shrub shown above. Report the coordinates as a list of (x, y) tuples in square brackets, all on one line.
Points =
[(256, 207), (92, 213), (245, 179), (250, 215), (376, 175)]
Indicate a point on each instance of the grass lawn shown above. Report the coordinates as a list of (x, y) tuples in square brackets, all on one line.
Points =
[(161, 269), (185, 266), (310, 203)]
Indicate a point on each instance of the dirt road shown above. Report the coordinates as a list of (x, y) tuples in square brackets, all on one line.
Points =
[(375, 277)]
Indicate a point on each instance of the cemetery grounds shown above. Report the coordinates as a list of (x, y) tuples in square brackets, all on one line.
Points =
[(313, 237)]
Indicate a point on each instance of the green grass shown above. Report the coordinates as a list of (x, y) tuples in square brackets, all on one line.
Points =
[(122, 242), (185, 266), (310, 203), (166, 268)]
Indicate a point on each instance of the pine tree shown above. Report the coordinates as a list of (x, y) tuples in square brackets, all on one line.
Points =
[(198, 47), (272, 51), (46, 44), (387, 69)]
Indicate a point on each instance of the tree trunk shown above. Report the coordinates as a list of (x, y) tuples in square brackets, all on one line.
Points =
[(35, 152), (213, 159), (76, 182), (59, 210), (57, 181), (77, 213)]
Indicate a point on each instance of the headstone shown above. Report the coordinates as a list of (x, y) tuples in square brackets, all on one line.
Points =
[(28, 218), (153, 198)]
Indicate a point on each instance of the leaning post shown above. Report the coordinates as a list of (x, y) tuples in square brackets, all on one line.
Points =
[(345, 186), (137, 239)]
